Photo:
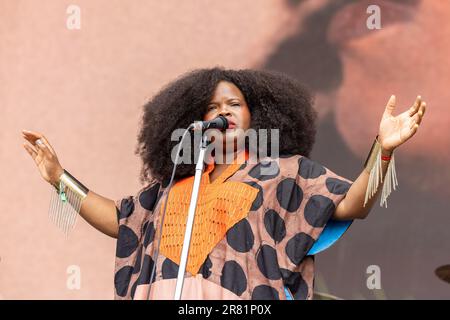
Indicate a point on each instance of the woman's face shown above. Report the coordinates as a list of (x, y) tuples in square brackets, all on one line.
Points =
[(228, 101)]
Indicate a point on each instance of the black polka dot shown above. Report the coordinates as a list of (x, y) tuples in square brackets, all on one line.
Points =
[(265, 170), (275, 225), (268, 263), (147, 266), (309, 169), (137, 264), (298, 246), (264, 292), (240, 236), (133, 289), (169, 269), (257, 203), (337, 186), (126, 207), (289, 195), (147, 198), (233, 278), (205, 269), (144, 227), (127, 242), (122, 280), (318, 210), (295, 283), (149, 234)]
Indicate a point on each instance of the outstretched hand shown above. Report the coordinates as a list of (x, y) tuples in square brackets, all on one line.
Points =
[(43, 155), (396, 130)]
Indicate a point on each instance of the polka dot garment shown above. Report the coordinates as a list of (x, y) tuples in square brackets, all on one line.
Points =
[(259, 256)]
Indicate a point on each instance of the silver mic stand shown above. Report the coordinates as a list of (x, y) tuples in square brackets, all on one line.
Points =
[(190, 219)]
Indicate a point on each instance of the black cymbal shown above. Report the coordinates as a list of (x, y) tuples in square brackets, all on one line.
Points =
[(443, 273)]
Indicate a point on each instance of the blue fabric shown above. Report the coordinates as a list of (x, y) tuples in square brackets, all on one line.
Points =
[(334, 229), (288, 294)]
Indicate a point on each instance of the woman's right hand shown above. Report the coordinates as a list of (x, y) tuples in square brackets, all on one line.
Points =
[(43, 155), (98, 211)]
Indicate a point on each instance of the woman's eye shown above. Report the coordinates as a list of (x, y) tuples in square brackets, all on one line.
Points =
[(235, 105), (211, 108)]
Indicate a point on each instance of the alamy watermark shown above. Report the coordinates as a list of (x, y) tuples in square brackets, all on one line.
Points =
[(374, 279), (374, 20), (74, 277), (260, 144), (73, 21)]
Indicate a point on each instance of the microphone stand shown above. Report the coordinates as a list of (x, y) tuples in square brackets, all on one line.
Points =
[(190, 219)]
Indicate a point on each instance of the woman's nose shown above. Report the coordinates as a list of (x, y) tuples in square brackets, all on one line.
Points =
[(224, 111)]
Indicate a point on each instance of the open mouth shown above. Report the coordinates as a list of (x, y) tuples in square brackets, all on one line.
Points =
[(231, 124)]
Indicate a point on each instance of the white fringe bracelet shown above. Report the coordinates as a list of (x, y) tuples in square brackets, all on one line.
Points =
[(373, 166)]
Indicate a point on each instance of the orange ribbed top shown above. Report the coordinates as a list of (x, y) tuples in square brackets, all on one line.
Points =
[(221, 204)]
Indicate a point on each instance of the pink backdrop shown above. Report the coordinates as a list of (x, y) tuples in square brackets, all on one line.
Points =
[(84, 90)]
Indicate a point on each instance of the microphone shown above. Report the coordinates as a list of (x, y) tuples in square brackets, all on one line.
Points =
[(220, 123)]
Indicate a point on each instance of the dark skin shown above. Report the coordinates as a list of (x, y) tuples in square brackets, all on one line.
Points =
[(228, 101)]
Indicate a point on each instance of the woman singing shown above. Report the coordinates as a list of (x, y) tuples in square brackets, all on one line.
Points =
[(255, 230)]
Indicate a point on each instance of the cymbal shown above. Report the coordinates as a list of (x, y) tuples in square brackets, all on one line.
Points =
[(443, 273), (324, 296)]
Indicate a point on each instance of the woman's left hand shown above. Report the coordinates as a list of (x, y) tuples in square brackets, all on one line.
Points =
[(396, 130)]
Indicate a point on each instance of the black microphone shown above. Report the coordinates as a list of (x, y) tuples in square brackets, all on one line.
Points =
[(220, 123)]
